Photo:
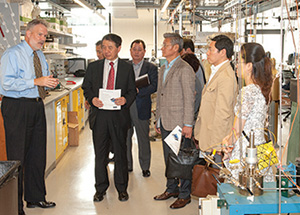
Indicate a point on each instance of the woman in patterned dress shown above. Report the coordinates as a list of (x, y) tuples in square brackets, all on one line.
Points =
[(251, 107)]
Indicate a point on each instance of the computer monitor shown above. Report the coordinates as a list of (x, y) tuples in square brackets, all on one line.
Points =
[(76, 64)]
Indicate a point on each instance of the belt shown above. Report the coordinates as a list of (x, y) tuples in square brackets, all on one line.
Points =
[(38, 99)]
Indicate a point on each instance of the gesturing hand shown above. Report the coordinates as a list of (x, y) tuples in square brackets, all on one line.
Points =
[(46, 81)]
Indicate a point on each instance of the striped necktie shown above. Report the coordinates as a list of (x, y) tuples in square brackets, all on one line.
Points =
[(38, 74)]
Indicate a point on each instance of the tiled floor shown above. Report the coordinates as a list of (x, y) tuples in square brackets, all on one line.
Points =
[(71, 186)]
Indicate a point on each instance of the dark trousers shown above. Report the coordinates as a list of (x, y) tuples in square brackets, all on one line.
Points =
[(110, 128), (142, 133), (172, 183), (25, 133)]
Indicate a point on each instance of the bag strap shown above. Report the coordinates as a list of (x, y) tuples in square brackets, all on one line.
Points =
[(246, 136), (183, 139), (182, 142), (268, 134)]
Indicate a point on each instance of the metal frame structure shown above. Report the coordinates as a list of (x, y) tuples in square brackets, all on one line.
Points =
[(240, 9)]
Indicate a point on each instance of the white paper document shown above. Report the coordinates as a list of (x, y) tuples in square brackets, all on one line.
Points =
[(174, 139), (108, 99)]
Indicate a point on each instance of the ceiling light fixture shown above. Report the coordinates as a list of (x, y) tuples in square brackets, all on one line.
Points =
[(99, 14), (81, 4), (167, 2), (86, 6)]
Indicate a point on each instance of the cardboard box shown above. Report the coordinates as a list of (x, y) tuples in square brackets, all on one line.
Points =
[(73, 117), (73, 134), (73, 128)]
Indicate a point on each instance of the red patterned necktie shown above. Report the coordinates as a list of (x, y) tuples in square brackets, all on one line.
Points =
[(111, 77), (38, 73)]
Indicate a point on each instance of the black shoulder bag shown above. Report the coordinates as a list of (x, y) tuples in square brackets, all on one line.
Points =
[(181, 165)]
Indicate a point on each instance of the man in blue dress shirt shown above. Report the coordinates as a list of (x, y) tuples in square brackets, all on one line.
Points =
[(23, 75)]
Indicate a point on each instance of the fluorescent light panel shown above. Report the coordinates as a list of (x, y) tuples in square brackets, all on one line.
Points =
[(165, 6), (99, 14), (90, 8), (81, 4)]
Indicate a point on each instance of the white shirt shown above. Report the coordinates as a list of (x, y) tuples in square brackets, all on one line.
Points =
[(106, 71), (214, 70)]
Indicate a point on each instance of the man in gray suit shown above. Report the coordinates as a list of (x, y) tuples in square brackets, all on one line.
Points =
[(175, 106), (140, 110)]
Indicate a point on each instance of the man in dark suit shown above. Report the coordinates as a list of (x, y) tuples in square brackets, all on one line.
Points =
[(140, 110), (110, 73)]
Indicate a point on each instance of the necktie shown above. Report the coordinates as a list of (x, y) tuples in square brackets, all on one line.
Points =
[(111, 77), (38, 73)]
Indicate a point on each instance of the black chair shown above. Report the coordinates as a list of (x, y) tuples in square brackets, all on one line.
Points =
[(286, 80)]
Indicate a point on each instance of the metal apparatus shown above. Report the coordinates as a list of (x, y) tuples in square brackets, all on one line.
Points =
[(225, 173), (291, 172), (250, 177), (250, 181)]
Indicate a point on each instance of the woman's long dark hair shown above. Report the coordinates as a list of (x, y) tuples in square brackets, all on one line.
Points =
[(262, 67)]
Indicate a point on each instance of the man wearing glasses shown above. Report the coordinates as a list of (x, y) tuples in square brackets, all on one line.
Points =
[(175, 106)]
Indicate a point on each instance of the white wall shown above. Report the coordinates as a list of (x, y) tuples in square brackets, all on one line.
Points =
[(90, 28), (131, 29), (140, 28)]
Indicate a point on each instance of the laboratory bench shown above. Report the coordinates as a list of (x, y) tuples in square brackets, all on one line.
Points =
[(69, 97), (237, 204)]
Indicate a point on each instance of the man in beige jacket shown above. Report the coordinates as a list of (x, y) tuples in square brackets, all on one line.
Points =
[(175, 106), (216, 114)]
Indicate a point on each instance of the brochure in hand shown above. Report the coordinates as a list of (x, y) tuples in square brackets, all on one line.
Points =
[(174, 139)]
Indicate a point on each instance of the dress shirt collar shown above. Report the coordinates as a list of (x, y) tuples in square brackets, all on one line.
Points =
[(107, 64), (27, 48), (169, 65), (214, 69), (115, 61), (139, 63), (137, 68)]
